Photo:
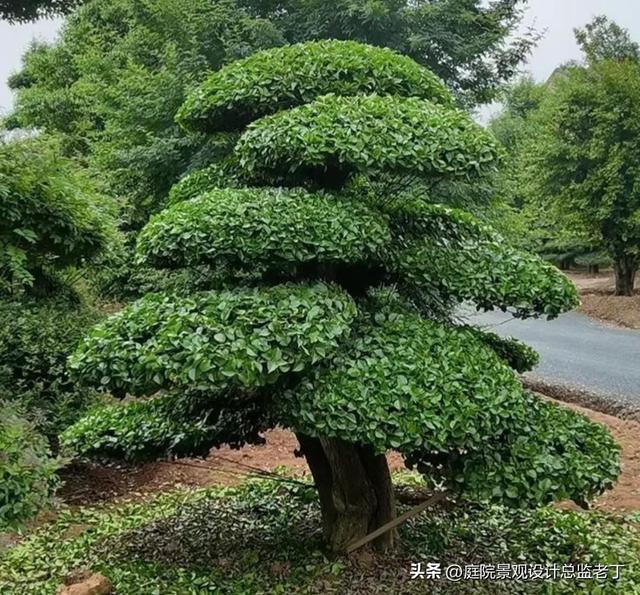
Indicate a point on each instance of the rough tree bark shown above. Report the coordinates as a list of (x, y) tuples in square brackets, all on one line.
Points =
[(355, 490), (625, 268)]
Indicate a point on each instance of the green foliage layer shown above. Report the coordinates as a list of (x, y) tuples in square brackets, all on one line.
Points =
[(334, 137), (282, 78), (263, 229), (200, 181), (214, 341), (167, 425), (470, 44), (27, 471), (445, 253)]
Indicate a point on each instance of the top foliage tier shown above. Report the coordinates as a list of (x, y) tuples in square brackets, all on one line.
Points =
[(286, 77)]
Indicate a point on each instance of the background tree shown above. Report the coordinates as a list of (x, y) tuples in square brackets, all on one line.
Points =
[(602, 39), (469, 44), (121, 69), (112, 84), (336, 316), (573, 163), (589, 159), (525, 214), (29, 10)]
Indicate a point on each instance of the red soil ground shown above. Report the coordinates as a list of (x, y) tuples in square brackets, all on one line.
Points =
[(94, 484)]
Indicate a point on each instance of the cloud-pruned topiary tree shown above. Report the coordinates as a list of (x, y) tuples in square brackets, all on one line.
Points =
[(335, 315)]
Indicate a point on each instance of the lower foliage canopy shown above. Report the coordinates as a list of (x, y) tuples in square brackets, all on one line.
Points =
[(172, 424)]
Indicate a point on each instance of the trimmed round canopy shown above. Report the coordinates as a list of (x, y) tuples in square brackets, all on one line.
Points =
[(215, 341), (281, 78), (334, 137), (263, 229)]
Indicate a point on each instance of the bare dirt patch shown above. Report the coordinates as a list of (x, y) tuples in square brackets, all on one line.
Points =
[(600, 303), (613, 309), (92, 484)]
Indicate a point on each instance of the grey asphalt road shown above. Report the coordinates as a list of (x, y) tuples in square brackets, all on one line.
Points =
[(576, 351)]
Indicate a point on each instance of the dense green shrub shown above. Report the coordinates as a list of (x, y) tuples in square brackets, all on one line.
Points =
[(36, 337), (27, 471), (356, 357), (282, 78), (50, 217)]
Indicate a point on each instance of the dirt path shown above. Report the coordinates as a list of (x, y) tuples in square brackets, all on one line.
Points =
[(95, 484), (598, 301)]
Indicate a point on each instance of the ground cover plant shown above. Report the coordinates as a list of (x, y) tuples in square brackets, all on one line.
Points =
[(265, 537), (331, 308)]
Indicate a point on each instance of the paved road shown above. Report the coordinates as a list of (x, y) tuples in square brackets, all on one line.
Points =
[(576, 351)]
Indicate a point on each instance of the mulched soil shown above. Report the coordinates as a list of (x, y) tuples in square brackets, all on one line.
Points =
[(94, 484)]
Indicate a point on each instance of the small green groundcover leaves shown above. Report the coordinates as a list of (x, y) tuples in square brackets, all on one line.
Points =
[(168, 425), (334, 137), (264, 537), (27, 470), (268, 229), (212, 341), (281, 78)]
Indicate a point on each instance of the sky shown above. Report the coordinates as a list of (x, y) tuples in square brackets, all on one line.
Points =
[(556, 17)]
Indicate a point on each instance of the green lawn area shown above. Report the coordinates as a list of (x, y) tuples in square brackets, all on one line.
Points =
[(264, 537)]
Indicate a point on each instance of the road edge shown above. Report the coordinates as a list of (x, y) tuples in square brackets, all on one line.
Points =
[(597, 402)]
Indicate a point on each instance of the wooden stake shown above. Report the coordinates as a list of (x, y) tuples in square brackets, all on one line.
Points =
[(395, 522)]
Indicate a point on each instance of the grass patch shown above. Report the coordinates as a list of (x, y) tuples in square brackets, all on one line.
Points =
[(264, 537)]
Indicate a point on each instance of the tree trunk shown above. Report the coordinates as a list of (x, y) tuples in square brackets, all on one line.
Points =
[(625, 268), (355, 490)]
